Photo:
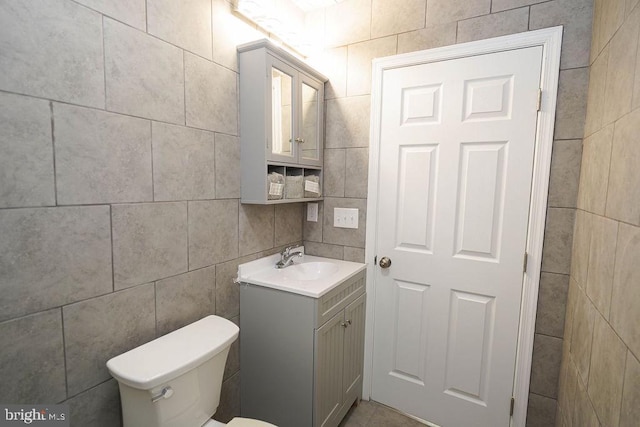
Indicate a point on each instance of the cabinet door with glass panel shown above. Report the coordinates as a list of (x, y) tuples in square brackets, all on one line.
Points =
[(295, 119)]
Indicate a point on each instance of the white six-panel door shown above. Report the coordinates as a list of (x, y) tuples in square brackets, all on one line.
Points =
[(456, 159)]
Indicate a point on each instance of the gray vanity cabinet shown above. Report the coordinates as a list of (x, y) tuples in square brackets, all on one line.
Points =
[(301, 357)]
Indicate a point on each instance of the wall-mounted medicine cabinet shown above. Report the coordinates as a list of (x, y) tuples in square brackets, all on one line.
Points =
[(281, 125)]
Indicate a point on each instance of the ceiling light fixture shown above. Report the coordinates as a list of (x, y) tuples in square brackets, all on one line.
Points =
[(282, 18)]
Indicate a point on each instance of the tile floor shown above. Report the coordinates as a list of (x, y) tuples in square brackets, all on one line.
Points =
[(372, 414)]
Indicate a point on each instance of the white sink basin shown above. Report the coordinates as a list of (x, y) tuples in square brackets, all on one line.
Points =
[(309, 270), (308, 275)]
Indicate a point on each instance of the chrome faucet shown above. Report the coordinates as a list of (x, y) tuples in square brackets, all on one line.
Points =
[(286, 257)]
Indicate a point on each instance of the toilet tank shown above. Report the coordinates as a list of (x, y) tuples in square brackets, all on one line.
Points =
[(175, 380)]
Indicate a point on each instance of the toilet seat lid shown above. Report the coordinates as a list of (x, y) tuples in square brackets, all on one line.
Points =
[(248, 422)]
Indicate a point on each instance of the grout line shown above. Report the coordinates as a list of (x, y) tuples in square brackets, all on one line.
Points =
[(153, 186), (104, 63), (64, 355), (53, 152), (188, 260), (113, 271), (184, 86)]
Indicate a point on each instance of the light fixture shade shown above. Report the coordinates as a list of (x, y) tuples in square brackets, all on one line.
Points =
[(282, 18)]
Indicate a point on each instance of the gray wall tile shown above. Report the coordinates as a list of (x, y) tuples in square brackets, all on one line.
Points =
[(113, 324), (348, 22), (32, 359), (584, 415), (211, 95), (494, 25), (441, 11), (499, 5), (227, 292), (256, 228), (213, 232), (576, 17), (149, 242), (602, 252), (558, 238), (359, 59), (184, 299), (183, 163), (132, 12), (357, 173), (333, 63), (581, 244), (288, 223), (621, 69), (545, 365), (552, 304), (582, 334), (344, 236), (185, 23), (565, 173), (396, 17), (227, 170), (334, 172), (353, 254), (53, 256), (572, 103), (101, 157), (541, 411), (596, 159), (324, 250), (233, 359), (97, 407), (347, 122), (427, 38), (596, 93), (608, 356), (52, 50), (625, 300), (144, 76), (229, 31), (229, 406), (624, 176), (630, 412), (26, 152)]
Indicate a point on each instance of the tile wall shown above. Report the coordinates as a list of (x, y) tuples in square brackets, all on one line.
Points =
[(355, 32), (119, 188), (600, 372)]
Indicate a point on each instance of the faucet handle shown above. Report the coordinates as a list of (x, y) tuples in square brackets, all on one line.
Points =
[(287, 250)]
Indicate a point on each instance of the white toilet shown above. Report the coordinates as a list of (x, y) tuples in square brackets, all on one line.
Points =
[(175, 380)]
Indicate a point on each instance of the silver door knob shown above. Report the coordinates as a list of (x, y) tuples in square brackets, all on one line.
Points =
[(385, 262)]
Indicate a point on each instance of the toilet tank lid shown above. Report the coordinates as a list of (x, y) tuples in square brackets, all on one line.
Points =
[(171, 355)]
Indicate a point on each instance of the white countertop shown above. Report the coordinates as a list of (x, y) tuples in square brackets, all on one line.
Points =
[(299, 280)]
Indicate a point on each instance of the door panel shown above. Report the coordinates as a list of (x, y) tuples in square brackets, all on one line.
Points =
[(456, 158)]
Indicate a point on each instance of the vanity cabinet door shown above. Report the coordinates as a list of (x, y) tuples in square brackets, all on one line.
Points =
[(354, 315), (329, 344), (310, 138), (282, 103)]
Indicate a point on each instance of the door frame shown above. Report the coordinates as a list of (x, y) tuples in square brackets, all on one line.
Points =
[(550, 39)]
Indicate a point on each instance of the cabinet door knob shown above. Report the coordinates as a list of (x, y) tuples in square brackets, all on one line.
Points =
[(300, 140)]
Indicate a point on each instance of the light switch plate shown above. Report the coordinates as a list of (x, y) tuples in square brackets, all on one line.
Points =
[(345, 217), (312, 212)]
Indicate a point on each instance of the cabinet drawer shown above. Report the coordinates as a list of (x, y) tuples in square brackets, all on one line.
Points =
[(338, 298)]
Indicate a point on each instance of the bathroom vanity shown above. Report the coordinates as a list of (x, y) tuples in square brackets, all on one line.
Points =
[(301, 340)]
